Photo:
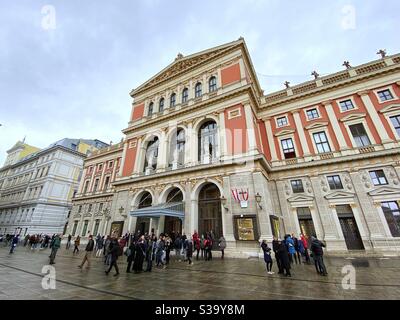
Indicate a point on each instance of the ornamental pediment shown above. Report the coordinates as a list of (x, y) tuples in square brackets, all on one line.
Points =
[(339, 195), (390, 107), (353, 116), (284, 132), (318, 124), (384, 191), (183, 64), (300, 198)]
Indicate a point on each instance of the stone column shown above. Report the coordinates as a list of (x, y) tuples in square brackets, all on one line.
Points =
[(300, 131), (284, 204), (263, 213), (222, 135), (335, 125), (328, 224), (162, 152), (140, 154), (383, 135), (375, 229), (250, 129), (271, 141), (189, 143), (227, 214)]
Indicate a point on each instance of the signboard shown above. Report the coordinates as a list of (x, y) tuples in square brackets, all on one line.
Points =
[(241, 196), (116, 228), (245, 229)]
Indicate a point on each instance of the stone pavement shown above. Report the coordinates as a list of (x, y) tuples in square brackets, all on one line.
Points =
[(242, 279)]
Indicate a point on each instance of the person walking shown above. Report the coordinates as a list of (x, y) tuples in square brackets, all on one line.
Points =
[(26, 240), (68, 242), (222, 246), (317, 254), (14, 243), (114, 253), (160, 251), (77, 242), (55, 245), (106, 251), (88, 251), (267, 256), (168, 245), (202, 246)]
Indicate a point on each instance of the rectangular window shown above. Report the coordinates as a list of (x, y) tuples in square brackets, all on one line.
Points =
[(100, 167), (346, 105), (106, 183), (74, 228), (288, 148), (334, 182), (297, 186), (110, 164), (360, 135), (312, 114), (392, 214), (96, 184), (281, 122), (321, 142), (378, 177), (90, 208), (96, 227), (85, 189), (85, 228), (79, 209), (396, 124), (100, 207), (385, 95)]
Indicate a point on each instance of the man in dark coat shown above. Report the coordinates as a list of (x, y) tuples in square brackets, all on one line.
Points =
[(275, 247), (131, 256), (318, 253), (284, 258), (114, 251), (139, 256)]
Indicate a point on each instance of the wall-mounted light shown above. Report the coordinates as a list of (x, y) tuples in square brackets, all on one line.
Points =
[(223, 201), (258, 200)]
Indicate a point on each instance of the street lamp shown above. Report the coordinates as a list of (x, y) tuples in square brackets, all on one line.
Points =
[(258, 199)]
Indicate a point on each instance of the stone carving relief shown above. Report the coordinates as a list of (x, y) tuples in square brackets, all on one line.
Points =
[(347, 181), (365, 179), (393, 176), (287, 189)]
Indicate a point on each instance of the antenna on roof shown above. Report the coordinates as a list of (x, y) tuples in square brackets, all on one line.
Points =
[(23, 140)]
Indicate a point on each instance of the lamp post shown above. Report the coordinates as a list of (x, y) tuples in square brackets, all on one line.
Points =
[(258, 200)]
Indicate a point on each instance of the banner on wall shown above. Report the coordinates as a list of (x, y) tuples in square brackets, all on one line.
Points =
[(241, 196)]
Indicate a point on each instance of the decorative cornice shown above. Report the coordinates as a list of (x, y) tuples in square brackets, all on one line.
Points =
[(363, 92)]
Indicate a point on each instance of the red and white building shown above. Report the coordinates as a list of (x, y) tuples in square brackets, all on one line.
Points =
[(205, 150)]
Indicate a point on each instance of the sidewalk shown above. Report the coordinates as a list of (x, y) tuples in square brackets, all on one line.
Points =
[(217, 279)]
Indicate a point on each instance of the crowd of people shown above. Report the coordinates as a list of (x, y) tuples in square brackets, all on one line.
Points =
[(292, 250), (144, 250)]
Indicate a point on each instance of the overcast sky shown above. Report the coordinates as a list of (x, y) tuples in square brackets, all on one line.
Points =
[(70, 74)]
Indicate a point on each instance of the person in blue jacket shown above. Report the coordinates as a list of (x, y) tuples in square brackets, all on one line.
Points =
[(290, 247)]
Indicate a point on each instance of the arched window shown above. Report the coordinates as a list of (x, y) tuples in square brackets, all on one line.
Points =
[(172, 100), (208, 142), (146, 200), (177, 149), (198, 90), (212, 84), (150, 162), (161, 105), (150, 110), (185, 95)]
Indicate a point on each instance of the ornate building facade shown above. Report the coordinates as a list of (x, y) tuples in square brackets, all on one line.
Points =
[(36, 185), (206, 150)]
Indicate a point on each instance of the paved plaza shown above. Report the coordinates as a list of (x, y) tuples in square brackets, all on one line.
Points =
[(243, 279)]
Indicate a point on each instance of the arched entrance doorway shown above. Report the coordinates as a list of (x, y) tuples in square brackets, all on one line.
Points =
[(143, 223), (210, 215), (173, 225)]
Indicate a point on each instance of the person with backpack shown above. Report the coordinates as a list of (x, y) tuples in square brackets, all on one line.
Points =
[(317, 254), (297, 255), (267, 256), (14, 243), (55, 245), (284, 258), (88, 251), (114, 253), (222, 245)]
